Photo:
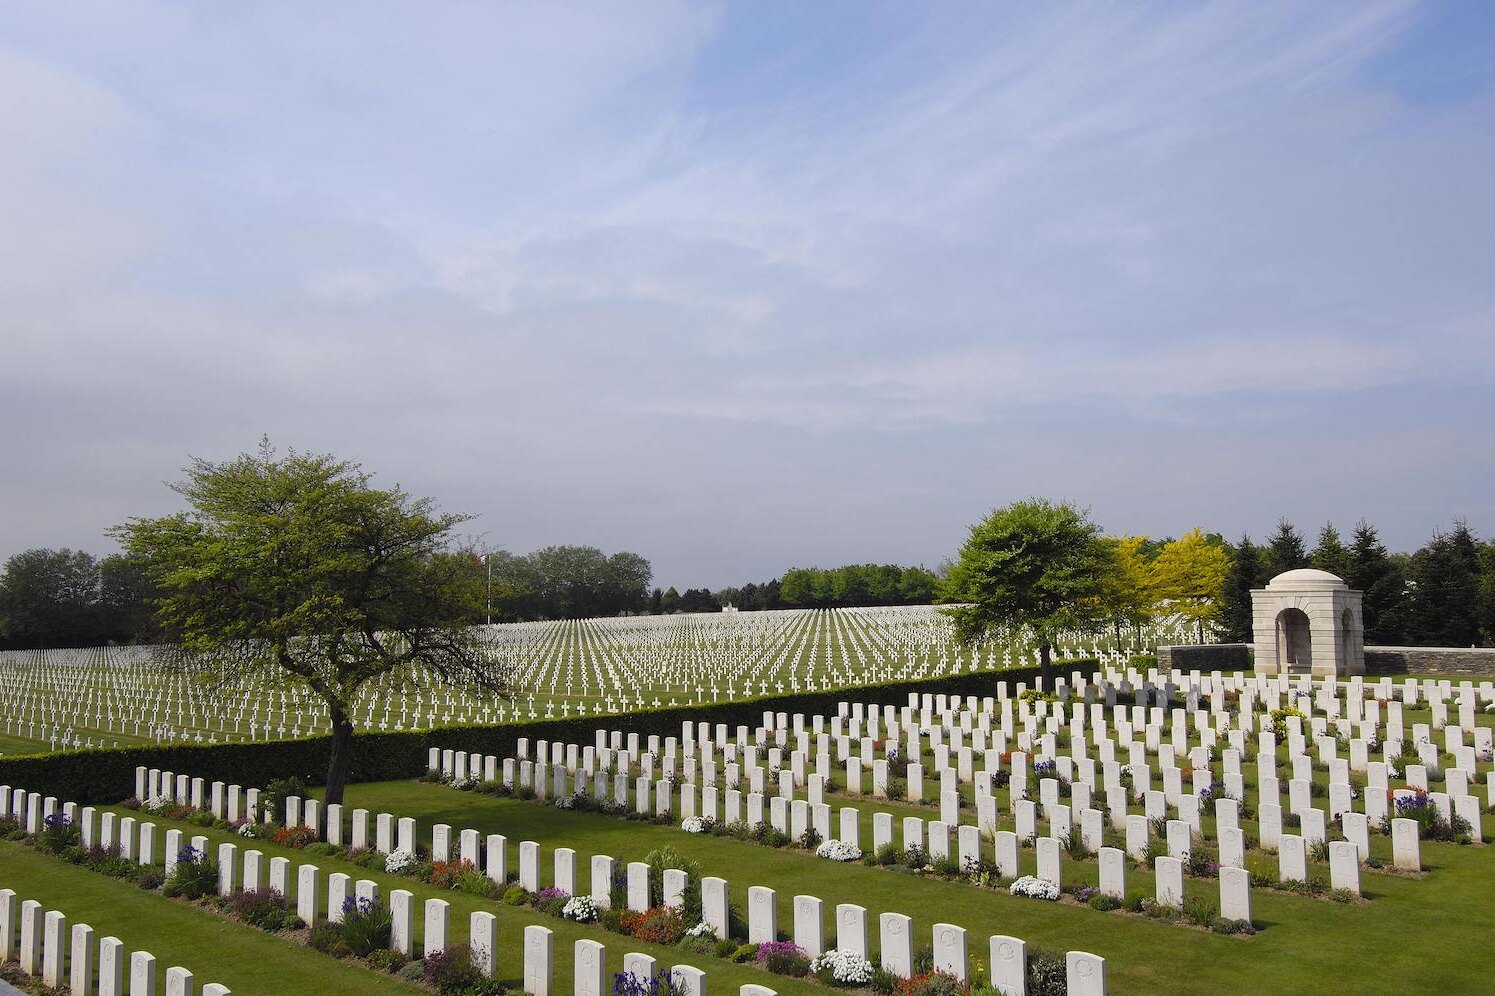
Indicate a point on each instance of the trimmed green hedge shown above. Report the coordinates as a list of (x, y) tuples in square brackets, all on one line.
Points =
[(107, 774)]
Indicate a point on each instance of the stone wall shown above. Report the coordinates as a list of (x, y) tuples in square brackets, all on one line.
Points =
[(1206, 657), (1430, 660)]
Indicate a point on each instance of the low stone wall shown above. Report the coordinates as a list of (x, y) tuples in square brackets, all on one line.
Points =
[(1206, 657), (1431, 660)]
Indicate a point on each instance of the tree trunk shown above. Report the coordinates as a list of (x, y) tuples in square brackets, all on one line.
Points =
[(337, 762), (1045, 652)]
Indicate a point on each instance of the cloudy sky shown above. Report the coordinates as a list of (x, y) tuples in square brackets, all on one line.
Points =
[(747, 286)]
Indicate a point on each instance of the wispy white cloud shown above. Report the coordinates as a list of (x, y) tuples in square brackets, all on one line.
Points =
[(534, 257)]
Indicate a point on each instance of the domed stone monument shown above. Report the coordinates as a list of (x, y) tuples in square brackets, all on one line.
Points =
[(1308, 622)]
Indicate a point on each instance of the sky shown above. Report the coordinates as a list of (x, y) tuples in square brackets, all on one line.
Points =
[(748, 286)]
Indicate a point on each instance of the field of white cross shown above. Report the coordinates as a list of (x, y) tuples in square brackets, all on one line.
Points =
[(113, 696)]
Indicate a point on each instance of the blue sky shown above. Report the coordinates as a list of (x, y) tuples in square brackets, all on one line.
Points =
[(746, 286)]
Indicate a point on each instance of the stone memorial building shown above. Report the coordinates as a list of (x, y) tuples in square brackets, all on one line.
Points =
[(1308, 622)]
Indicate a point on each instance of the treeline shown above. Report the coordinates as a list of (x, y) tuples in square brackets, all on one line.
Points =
[(69, 598), (1441, 595), (809, 588), (565, 582)]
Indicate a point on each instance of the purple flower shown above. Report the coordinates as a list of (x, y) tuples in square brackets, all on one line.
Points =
[(768, 949), (189, 854), (551, 892)]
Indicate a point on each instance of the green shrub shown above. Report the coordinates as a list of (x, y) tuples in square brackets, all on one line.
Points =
[(1105, 903), (453, 973), (516, 895), (262, 908), (326, 937), (277, 791), (722, 949), (385, 960), (1220, 925), (745, 953), (194, 875), (150, 878), (1048, 975), (366, 925)]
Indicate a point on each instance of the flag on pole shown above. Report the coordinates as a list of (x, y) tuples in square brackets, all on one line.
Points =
[(482, 558)]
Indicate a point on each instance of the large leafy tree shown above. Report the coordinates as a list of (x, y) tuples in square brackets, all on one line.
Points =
[(298, 562), (1129, 595), (1034, 567), (1189, 574)]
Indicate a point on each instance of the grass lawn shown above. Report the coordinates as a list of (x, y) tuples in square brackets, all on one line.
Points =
[(214, 949), (1309, 945)]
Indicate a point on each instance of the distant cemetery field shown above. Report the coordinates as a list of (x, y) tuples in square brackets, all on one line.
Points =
[(126, 696)]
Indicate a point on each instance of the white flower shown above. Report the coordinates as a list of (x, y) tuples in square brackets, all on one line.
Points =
[(398, 861), (702, 929), (1034, 888), (846, 966), (247, 830), (839, 850), (582, 909), (693, 824), (565, 802), (158, 805)]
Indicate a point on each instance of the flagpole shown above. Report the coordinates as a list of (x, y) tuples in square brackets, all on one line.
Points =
[(488, 589)]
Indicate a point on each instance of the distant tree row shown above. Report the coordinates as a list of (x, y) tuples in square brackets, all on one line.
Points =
[(1442, 595), (69, 598), (566, 582)]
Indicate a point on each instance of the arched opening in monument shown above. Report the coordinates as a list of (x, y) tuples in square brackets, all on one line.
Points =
[(1346, 637), (1294, 641)]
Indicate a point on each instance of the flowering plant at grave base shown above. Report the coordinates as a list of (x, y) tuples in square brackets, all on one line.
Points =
[(1084, 892), (839, 850), (694, 824), (565, 802), (1043, 766), (448, 874), (702, 929), (294, 837), (366, 926), (582, 909), (655, 925), (550, 893), (398, 862), (628, 984), (844, 967), (158, 806), (132, 802), (464, 784), (783, 958), (929, 984), (1034, 888)]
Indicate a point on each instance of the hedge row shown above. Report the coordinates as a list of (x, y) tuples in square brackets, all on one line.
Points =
[(106, 774)]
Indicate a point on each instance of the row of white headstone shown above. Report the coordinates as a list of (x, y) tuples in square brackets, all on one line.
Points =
[(41, 941)]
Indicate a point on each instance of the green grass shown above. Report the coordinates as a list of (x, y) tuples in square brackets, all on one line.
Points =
[(214, 949), (1308, 945)]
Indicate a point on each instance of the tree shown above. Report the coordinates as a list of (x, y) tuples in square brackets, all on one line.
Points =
[(1380, 579), (670, 600), (1285, 551), (1443, 593), (1032, 566), (50, 598), (299, 563), (1246, 572), (1189, 575), (1331, 554), (1129, 597)]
